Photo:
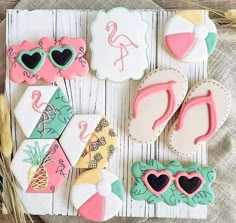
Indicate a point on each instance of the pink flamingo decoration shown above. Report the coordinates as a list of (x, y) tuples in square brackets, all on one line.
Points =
[(120, 41), (36, 95), (83, 125)]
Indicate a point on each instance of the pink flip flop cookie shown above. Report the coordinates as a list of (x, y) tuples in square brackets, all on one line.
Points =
[(159, 96), (47, 60), (203, 112)]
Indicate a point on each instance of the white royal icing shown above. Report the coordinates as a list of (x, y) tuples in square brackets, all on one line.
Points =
[(119, 45), (25, 113), (75, 137), (20, 168), (178, 24)]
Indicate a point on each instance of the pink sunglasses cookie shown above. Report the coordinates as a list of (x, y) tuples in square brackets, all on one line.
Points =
[(47, 60), (159, 96), (205, 109)]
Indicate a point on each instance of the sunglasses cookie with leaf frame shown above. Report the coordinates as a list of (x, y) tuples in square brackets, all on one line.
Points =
[(172, 183), (48, 59)]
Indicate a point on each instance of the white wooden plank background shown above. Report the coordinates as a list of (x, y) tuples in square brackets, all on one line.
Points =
[(90, 95)]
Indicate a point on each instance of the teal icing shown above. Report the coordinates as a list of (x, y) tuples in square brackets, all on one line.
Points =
[(58, 121), (30, 53), (44, 55), (172, 196), (211, 40), (118, 189), (61, 49)]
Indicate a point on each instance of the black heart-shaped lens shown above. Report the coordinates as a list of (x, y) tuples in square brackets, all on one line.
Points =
[(61, 58), (157, 183), (31, 61), (189, 185)]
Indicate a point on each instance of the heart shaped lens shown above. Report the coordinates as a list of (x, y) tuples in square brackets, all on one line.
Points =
[(189, 185), (63, 57), (157, 182), (31, 60)]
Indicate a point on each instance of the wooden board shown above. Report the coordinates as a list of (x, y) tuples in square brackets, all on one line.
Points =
[(90, 95)]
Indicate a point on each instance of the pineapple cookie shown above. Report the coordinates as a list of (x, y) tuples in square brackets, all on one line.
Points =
[(40, 165)]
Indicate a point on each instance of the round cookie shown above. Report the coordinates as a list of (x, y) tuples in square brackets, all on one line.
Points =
[(190, 36), (97, 194)]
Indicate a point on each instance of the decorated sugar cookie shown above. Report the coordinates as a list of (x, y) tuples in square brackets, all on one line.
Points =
[(172, 183), (47, 60), (40, 165), (205, 109), (47, 110), (190, 36), (119, 45), (89, 141), (159, 95), (97, 195)]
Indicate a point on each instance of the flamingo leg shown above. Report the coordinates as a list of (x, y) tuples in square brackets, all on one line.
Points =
[(116, 61), (46, 118), (121, 58)]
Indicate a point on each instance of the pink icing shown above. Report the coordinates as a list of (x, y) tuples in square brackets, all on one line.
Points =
[(36, 95), (180, 44), (121, 42), (211, 111), (48, 72), (157, 174), (151, 90), (93, 209), (57, 169), (83, 125), (189, 176)]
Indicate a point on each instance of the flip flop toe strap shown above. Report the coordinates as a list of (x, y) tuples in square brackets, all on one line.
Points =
[(145, 92), (208, 99)]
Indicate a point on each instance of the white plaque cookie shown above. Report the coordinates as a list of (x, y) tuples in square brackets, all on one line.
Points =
[(119, 45)]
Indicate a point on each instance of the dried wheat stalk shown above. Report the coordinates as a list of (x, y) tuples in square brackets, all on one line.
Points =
[(227, 18), (9, 197)]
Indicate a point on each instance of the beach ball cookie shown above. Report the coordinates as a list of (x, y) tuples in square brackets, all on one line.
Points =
[(40, 165), (119, 45), (97, 195), (47, 110), (47, 59), (89, 141), (190, 36)]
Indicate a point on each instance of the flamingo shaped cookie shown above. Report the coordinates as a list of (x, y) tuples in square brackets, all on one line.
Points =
[(121, 42), (36, 95)]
